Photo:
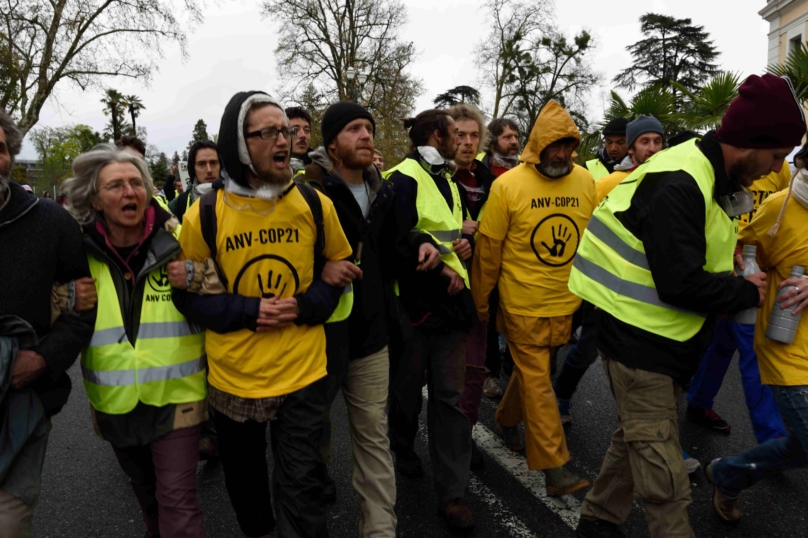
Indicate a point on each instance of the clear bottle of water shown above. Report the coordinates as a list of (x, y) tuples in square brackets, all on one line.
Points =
[(782, 323), (750, 267)]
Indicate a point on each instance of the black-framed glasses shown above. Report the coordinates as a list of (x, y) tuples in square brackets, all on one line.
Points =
[(271, 133)]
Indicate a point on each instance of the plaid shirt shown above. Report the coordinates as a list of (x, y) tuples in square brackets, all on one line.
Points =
[(244, 409)]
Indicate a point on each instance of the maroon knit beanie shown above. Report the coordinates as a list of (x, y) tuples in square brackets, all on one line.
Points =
[(765, 115)]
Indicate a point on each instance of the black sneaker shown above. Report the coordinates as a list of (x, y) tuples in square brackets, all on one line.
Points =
[(477, 461), (409, 464), (708, 418), (597, 528)]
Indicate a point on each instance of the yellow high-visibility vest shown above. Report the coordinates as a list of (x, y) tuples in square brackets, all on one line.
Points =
[(165, 366), (597, 168), (611, 270), (435, 218)]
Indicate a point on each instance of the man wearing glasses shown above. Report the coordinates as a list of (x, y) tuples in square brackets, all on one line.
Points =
[(265, 340)]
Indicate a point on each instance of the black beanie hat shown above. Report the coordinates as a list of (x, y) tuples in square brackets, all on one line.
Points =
[(340, 114), (616, 127)]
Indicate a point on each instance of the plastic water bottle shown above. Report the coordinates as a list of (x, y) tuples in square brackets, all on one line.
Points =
[(782, 324), (748, 316)]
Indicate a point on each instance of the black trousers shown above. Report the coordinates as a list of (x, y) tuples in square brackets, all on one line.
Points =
[(297, 480)]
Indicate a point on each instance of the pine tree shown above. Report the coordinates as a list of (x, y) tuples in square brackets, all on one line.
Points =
[(200, 133), (674, 50), (175, 159)]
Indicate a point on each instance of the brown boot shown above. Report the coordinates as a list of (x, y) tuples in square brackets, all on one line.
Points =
[(727, 508), (560, 482), (457, 515)]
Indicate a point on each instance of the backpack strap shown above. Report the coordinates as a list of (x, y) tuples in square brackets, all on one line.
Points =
[(316, 207), (210, 228)]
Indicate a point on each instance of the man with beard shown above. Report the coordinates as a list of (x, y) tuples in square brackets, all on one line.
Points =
[(475, 179), (40, 350), (613, 151), (433, 288), (528, 238), (657, 259), (358, 360), (501, 156), (300, 123), (502, 152), (203, 168), (265, 342)]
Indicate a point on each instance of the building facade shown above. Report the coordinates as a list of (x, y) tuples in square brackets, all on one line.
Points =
[(788, 27)]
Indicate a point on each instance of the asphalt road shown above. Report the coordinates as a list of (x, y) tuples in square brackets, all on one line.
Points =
[(85, 494)]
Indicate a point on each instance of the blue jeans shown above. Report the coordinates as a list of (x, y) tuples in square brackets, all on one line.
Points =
[(581, 357), (728, 337), (736, 473)]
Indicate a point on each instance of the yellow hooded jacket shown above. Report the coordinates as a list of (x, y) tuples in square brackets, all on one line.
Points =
[(531, 229)]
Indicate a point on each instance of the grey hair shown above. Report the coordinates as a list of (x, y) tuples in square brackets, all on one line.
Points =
[(82, 188), (13, 134)]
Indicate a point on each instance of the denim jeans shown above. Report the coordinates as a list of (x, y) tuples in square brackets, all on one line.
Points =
[(728, 337), (736, 473), (581, 357)]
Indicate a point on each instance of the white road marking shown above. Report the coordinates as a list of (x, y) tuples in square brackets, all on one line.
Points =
[(567, 507), (515, 526)]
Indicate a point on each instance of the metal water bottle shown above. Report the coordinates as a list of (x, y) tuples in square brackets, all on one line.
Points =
[(782, 324), (750, 267)]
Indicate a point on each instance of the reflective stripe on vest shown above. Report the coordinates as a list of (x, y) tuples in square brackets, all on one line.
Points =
[(434, 216), (165, 366), (611, 269), (344, 307), (598, 170)]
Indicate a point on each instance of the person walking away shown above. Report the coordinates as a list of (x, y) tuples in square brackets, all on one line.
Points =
[(343, 168), (144, 369), (264, 337), (777, 230), (475, 179), (658, 263), (44, 349), (434, 291), (528, 237)]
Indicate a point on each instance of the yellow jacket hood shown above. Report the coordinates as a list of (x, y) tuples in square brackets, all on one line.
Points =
[(553, 123)]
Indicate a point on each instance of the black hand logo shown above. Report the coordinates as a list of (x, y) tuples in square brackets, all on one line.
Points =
[(266, 293), (560, 242)]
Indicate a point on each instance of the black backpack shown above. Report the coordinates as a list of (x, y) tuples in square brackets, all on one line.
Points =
[(210, 225)]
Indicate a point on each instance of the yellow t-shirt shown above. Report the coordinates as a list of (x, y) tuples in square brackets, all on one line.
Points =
[(540, 222), (266, 254), (765, 187), (605, 185), (780, 364)]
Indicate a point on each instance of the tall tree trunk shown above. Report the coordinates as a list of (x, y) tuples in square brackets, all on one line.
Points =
[(134, 123)]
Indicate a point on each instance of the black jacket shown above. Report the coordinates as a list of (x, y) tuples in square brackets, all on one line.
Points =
[(485, 177), (667, 213), (604, 158), (424, 294), (40, 243), (367, 325)]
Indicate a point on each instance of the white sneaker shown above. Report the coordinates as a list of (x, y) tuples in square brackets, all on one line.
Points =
[(692, 465), (491, 388)]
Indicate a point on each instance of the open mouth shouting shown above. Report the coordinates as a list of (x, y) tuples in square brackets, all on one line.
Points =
[(280, 159)]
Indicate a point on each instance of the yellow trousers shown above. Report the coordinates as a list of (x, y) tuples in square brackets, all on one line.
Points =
[(530, 396)]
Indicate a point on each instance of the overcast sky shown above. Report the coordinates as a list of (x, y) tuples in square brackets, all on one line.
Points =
[(233, 51)]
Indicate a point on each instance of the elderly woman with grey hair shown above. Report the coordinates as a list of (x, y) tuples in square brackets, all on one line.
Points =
[(144, 370)]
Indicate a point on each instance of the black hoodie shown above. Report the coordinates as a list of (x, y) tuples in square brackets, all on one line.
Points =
[(40, 243)]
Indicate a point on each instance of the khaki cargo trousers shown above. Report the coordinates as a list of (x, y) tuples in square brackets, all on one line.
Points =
[(645, 457)]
